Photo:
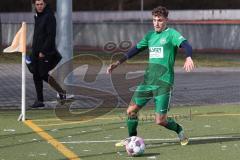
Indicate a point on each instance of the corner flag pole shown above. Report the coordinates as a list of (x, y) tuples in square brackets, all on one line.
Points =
[(22, 116), (19, 45)]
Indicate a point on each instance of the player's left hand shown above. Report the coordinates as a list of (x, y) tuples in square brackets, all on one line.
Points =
[(41, 55), (188, 65)]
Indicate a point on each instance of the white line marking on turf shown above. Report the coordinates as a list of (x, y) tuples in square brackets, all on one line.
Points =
[(160, 139)]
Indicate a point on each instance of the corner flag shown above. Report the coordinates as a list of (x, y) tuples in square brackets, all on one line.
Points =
[(19, 45), (19, 41)]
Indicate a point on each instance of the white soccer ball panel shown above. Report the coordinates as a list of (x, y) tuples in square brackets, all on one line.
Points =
[(135, 146)]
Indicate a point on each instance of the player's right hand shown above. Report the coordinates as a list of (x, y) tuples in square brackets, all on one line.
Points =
[(112, 67)]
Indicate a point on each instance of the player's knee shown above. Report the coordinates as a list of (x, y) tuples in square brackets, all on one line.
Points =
[(132, 114), (132, 111)]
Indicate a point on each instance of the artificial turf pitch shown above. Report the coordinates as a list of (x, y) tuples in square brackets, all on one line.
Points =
[(214, 133)]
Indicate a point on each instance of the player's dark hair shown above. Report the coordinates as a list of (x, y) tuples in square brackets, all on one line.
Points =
[(33, 1), (160, 11)]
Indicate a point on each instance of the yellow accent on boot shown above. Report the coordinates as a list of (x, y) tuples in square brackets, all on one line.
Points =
[(183, 138), (122, 143)]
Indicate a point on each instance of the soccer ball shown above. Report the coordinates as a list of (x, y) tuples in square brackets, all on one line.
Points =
[(135, 146)]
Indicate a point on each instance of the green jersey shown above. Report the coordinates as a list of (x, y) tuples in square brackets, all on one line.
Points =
[(162, 52)]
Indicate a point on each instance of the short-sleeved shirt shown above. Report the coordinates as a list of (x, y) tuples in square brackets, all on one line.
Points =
[(162, 52)]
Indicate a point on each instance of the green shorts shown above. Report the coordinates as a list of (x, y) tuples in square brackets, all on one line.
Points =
[(161, 95)]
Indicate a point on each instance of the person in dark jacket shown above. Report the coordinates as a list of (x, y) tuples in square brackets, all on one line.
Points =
[(44, 55)]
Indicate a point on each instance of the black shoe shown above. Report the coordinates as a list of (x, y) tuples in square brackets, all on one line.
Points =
[(37, 104), (62, 96)]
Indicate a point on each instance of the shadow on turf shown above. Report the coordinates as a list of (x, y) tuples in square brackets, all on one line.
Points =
[(111, 153), (150, 154), (124, 154), (68, 128), (214, 140), (235, 137), (15, 136), (232, 137)]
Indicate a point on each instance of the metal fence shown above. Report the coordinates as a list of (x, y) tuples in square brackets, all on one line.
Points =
[(211, 28), (201, 36)]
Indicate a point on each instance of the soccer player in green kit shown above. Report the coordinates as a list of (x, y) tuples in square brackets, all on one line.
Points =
[(162, 43)]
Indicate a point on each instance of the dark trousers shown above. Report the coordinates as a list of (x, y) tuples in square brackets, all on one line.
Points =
[(38, 81)]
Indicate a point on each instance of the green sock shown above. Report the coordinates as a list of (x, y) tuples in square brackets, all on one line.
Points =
[(172, 125), (132, 124)]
